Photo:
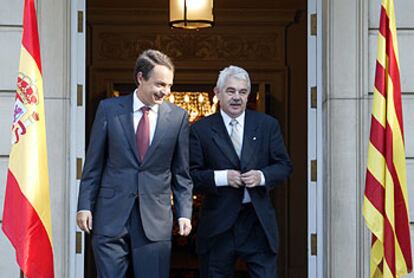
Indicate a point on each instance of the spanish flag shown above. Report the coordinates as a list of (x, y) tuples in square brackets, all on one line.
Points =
[(26, 215), (385, 201)]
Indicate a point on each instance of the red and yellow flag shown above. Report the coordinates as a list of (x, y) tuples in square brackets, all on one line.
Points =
[(26, 215), (385, 201)]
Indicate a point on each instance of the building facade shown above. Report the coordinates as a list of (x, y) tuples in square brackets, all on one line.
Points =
[(342, 61)]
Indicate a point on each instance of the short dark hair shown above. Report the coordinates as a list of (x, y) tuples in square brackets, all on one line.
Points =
[(148, 60)]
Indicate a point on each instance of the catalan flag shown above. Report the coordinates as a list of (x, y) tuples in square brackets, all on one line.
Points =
[(26, 215), (385, 201)]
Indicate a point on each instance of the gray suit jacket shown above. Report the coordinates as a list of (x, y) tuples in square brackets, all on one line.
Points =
[(113, 177)]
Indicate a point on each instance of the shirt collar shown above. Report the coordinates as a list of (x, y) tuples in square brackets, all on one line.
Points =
[(138, 104), (227, 119)]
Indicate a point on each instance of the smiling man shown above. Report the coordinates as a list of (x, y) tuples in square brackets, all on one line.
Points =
[(137, 156), (236, 157)]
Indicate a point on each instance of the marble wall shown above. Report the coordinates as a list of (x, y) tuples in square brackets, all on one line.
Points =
[(351, 46), (53, 19)]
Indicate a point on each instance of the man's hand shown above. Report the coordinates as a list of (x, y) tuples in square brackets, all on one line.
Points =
[(251, 178), (84, 220), (184, 225), (234, 178)]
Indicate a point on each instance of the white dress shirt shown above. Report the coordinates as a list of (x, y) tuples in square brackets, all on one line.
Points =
[(152, 115), (220, 176)]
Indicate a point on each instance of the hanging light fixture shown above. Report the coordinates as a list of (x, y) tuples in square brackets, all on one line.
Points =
[(191, 14)]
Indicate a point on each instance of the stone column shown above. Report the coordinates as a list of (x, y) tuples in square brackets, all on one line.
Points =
[(345, 131)]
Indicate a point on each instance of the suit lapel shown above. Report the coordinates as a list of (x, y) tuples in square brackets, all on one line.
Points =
[(250, 138), (160, 129), (126, 117), (222, 139)]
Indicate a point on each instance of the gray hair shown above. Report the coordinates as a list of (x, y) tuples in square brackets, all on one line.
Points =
[(232, 71)]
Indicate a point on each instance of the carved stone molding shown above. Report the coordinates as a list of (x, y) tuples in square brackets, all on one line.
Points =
[(118, 47)]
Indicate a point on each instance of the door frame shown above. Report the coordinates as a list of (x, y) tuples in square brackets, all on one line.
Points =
[(77, 131), (316, 197)]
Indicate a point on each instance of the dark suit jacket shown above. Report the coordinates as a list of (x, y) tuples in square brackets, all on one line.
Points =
[(211, 149), (113, 177)]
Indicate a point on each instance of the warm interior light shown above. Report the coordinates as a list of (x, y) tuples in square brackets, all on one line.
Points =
[(197, 5), (191, 14), (171, 98), (197, 104)]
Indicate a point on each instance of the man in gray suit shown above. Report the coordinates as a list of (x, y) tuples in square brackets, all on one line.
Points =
[(138, 155)]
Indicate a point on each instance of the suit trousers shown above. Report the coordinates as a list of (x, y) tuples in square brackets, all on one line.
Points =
[(131, 254), (246, 240)]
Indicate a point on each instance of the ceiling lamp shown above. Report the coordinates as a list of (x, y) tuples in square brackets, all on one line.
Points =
[(191, 14)]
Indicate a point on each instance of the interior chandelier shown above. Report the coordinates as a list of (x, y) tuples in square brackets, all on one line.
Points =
[(191, 14), (197, 104)]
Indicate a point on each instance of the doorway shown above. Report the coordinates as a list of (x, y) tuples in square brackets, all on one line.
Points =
[(268, 38)]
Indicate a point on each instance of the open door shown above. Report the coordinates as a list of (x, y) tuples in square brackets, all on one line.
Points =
[(272, 47)]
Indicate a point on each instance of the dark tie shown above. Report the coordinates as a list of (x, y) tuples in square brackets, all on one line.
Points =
[(142, 135)]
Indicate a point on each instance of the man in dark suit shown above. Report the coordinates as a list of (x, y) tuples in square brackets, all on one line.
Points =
[(236, 157), (138, 155)]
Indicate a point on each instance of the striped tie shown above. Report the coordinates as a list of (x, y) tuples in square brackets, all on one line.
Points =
[(142, 135), (235, 136)]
